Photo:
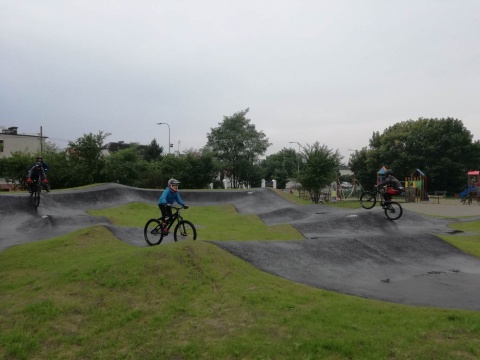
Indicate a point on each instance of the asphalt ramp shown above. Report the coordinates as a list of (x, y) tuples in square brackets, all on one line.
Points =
[(357, 252)]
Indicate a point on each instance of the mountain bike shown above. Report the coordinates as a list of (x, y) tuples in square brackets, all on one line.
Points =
[(35, 190), (156, 229), (393, 210)]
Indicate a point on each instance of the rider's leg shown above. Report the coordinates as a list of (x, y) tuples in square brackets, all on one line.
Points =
[(166, 214)]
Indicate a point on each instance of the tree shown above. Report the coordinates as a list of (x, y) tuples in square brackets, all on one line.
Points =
[(236, 142), (199, 170), (59, 175), (365, 171), (320, 169), (85, 158), (153, 151), (14, 168), (128, 167), (281, 166), (441, 148), (194, 169)]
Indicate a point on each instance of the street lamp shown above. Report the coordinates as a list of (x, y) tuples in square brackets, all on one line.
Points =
[(169, 146)]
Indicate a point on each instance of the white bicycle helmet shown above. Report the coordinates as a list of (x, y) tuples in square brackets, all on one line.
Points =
[(173, 182)]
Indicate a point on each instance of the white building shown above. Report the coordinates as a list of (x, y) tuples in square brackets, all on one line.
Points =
[(11, 141)]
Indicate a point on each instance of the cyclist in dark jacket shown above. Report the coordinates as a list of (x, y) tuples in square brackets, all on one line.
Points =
[(168, 197), (37, 173), (44, 164), (394, 187)]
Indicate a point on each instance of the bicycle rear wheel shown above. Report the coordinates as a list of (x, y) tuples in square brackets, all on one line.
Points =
[(393, 211), (368, 200), (184, 230), (153, 232)]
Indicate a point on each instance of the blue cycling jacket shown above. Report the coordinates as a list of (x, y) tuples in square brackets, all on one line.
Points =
[(169, 197)]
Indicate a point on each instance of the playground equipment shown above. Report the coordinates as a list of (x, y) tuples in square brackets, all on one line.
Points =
[(342, 190), (416, 187), (471, 191)]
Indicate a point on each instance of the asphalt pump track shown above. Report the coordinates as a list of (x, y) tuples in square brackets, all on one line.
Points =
[(357, 252)]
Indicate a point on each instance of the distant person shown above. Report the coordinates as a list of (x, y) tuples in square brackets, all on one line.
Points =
[(166, 200), (44, 164), (394, 187), (37, 173)]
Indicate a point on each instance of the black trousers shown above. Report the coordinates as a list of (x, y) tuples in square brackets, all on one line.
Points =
[(166, 210)]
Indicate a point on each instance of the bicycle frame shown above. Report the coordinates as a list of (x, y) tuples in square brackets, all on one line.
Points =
[(175, 217), (156, 229)]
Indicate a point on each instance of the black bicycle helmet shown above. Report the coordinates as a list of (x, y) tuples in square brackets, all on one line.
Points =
[(388, 172)]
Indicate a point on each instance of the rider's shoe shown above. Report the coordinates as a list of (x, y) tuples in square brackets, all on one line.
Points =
[(164, 231)]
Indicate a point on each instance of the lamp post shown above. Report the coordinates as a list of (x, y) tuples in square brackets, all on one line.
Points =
[(168, 135)]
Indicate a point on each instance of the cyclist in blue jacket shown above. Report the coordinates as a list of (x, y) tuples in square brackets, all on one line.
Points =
[(168, 197)]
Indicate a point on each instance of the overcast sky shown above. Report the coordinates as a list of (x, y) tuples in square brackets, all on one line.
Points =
[(328, 71)]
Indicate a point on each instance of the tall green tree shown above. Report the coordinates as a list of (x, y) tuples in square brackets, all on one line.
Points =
[(86, 159), (320, 168), (235, 143)]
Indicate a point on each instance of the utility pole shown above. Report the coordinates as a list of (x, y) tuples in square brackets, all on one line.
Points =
[(41, 141)]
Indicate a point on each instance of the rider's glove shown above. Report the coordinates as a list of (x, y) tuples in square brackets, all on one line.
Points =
[(45, 181), (185, 206), (29, 180)]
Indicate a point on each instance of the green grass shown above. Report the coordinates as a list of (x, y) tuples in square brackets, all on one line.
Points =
[(468, 243), (213, 222), (88, 295)]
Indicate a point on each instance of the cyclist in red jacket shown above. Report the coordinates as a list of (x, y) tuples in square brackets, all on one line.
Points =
[(394, 187)]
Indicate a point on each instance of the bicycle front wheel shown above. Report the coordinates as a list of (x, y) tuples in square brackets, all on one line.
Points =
[(184, 230), (393, 211), (36, 196), (368, 200), (153, 232)]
